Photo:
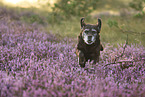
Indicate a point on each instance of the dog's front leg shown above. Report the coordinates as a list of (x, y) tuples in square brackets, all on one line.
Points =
[(101, 47), (96, 60), (81, 58), (95, 57)]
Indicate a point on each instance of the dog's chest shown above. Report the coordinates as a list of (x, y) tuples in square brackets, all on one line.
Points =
[(90, 49), (90, 52)]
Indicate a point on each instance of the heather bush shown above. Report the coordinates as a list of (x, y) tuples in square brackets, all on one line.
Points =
[(33, 63)]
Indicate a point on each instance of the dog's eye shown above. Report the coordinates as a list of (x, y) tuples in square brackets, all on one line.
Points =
[(86, 31), (93, 32)]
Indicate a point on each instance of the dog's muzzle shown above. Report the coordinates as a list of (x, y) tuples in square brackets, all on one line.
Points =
[(89, 39)]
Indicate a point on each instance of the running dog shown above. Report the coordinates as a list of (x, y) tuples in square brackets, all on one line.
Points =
[(89, 46)]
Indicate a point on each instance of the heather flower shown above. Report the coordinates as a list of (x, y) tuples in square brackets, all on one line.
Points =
[(33, 63)]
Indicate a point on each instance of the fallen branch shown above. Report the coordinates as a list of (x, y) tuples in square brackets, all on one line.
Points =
[(120, 62), (125, 61)]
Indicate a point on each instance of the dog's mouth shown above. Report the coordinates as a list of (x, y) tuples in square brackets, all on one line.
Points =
[(89, 41)]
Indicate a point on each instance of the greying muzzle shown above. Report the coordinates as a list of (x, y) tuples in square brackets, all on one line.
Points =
[(89, 38)]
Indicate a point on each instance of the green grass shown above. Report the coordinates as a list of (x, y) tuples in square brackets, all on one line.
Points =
[(113, 35), (70, 27)]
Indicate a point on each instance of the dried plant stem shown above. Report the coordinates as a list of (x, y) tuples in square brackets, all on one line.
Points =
[(129, 31), (116, 58)]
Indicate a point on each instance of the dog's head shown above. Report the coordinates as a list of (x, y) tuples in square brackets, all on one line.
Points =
[(90, 31)]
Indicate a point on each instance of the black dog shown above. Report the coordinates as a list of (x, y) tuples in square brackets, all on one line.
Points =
[(89, 46)]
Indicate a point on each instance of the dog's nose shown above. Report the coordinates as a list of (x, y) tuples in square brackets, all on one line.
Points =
[(89, 37)]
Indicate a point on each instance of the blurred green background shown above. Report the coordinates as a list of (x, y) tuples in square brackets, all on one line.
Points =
[(62, 17)]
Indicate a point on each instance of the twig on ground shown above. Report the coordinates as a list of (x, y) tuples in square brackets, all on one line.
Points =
[(129, 61), (118, 62)]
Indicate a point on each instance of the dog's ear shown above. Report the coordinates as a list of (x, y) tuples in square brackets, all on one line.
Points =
[(99, 25), (82, 23)]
